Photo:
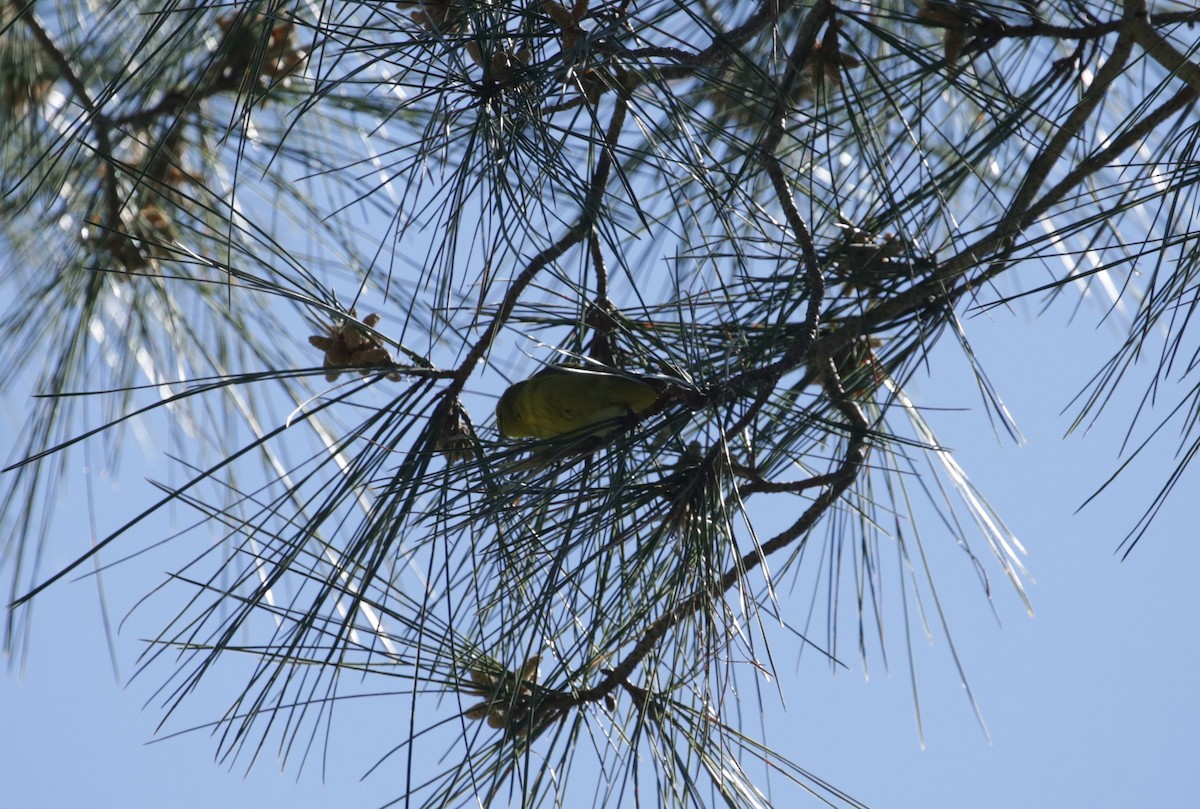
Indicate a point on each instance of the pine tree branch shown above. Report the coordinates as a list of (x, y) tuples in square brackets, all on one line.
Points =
[(992, 29), (1052, 153), (100, 124), (592, 205), (718, 53), (944, 287), (1157, 46), (1128, 139), (836, 483)]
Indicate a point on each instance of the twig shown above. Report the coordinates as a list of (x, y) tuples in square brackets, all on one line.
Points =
[(1015, 220), (802, 344), (838, 482), (1157, 46), (941, 286), (575, 234), (101, 125), (717, 53)]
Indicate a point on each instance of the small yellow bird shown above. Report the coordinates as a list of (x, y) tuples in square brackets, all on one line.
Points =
[(561, 400)]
